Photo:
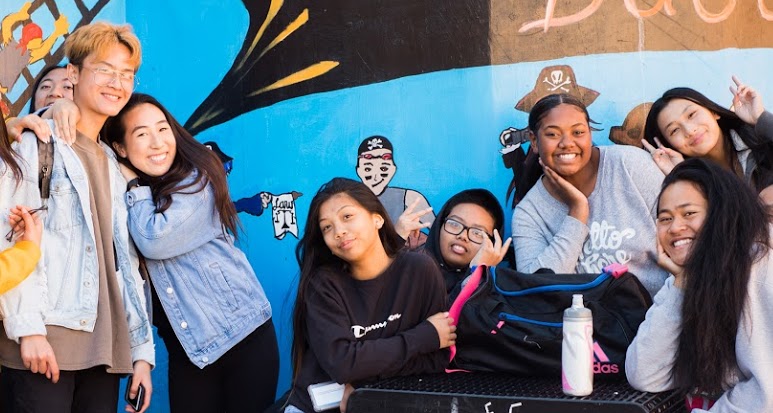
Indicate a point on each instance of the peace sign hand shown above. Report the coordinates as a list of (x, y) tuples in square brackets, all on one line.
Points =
[(665, 158), (747, 102), (409, 223)]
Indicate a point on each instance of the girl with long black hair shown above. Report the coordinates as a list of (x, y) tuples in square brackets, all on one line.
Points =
[(365, 308), (711, 325), (209, 306), (683, 123)]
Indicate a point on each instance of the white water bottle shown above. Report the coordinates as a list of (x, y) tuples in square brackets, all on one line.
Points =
[(577, 349)]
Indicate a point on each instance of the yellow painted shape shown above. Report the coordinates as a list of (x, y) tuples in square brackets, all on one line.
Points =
[(315, 70), (37, 52), (273, 10), (8, 21), (302, 19)]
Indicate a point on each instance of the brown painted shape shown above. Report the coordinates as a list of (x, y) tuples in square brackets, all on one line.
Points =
[(632, 130), (553, 80), (611, 28)]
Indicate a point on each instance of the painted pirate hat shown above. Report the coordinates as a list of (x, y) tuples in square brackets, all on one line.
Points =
[(220, 154), (552, 80), (632, 131)]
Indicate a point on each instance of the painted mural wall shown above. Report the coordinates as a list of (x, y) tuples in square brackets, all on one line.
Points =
[(417, 98)]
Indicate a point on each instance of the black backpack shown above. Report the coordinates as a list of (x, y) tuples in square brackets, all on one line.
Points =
[(512, 322)]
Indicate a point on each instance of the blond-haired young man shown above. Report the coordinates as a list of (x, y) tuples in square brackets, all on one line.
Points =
[(79, 321)]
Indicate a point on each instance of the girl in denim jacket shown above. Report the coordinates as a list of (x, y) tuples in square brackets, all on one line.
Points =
[(209, 307)]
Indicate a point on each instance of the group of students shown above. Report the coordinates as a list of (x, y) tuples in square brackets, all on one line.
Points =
[(139, 228), (689, 219), (695, 232)]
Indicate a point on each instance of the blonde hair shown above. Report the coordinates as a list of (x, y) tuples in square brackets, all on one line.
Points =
[(97, 37)]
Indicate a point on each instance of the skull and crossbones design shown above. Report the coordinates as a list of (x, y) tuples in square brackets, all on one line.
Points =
[(557, 81)]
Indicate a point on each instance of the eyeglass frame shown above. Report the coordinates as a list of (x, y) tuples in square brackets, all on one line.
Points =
[(466, 228), (9, 235), (114, 74), (385, 156)]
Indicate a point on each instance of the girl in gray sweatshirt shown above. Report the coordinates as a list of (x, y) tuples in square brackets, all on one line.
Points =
[(587, 206), (711, 325)]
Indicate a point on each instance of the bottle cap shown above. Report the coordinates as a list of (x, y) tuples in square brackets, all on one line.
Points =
[(577, 301)]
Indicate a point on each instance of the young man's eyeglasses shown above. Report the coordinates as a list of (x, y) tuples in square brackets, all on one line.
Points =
[(104, 76), (475, 235)]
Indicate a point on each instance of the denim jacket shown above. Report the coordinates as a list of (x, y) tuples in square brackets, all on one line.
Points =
[(206, 286), (64, 288)]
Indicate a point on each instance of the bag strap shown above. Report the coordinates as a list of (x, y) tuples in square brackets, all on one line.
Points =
[(613, 270), (45, 164), (456, 308)]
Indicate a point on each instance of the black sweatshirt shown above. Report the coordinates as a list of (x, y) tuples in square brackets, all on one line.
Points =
[(371, 329)]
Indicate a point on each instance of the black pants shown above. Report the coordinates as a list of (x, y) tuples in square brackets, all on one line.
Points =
[(244, 380), (89, 391)]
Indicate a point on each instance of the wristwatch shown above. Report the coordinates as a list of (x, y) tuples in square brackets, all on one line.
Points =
[(132, 184)]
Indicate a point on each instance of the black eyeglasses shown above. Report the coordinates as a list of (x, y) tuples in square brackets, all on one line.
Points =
[(9, 235), (475, 235)]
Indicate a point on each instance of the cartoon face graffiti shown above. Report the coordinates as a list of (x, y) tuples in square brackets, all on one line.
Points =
[(375, 163)]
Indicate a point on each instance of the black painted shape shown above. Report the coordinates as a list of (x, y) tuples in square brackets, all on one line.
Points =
[(373, 41)]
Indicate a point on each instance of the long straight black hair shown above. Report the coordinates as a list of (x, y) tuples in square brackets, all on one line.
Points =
[(717, 271), (312, 253), (190, 155), (761, 148)]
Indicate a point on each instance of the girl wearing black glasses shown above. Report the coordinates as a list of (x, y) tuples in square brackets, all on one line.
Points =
[(467, 232)]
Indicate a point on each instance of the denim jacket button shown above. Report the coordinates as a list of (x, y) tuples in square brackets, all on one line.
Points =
[(87, 283), (184, 324), (88, 248), (205, 359), (83, 322), (169, 290)]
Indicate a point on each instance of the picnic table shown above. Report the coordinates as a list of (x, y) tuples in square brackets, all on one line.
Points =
[(499, 393)]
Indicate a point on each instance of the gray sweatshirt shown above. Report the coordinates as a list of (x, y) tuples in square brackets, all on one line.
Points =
[(621, 225), (650, 357)]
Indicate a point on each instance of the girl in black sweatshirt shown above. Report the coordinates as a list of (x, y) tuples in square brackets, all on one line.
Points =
[(364, 309)]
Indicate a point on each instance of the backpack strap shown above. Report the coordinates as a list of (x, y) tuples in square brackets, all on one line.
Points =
[(45, 164), (456, 308)]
